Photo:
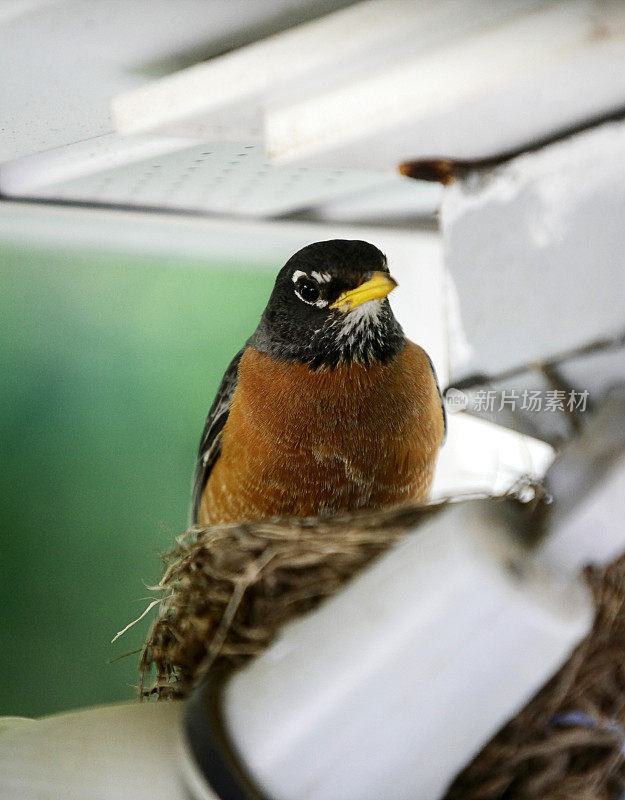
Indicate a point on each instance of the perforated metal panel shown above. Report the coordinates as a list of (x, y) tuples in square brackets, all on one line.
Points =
[(221, 177)]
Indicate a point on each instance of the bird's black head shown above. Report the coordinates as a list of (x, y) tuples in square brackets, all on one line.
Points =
[(329, 307)]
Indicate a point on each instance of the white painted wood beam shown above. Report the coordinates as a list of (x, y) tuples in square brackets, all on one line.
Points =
[(230, 92), (539, 236), (474, 96)]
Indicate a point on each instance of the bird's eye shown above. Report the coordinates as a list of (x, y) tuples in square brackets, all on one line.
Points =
[(308, 291)]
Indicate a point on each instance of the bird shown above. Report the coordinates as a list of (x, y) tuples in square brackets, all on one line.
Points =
[(328, 407)]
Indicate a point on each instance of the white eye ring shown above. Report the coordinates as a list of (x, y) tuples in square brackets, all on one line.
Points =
[(319, 302)]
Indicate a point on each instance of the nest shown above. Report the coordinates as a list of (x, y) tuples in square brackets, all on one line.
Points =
[(228, 590), (567, 743)]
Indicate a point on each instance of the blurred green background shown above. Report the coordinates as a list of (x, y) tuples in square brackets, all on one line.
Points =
[(109, 364)]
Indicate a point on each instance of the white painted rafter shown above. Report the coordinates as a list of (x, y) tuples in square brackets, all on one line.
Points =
[(232, 91), (388, 80), (509, 84)]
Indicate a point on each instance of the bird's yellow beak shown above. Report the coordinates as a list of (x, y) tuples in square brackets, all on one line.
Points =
[(377, 287)]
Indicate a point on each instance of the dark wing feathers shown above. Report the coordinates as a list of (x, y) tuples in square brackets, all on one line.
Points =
[(210, 443), (440, 395)]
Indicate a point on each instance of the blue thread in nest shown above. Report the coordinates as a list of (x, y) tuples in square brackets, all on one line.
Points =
[(580, 718)]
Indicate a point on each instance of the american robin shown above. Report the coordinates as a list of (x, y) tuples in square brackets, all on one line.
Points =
[(328, 406)]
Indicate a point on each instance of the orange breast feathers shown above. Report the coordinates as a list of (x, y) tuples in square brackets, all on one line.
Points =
[(300, 442)]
